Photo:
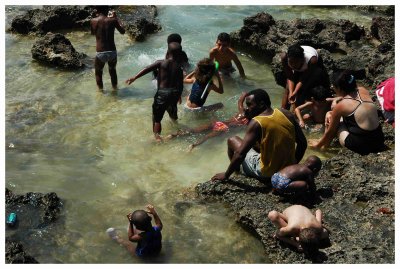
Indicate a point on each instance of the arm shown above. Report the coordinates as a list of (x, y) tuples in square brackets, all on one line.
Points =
[(144, 71), (220, 88), (157, 219), (238, 64), (189, 78), (298, 113), (253, 134), (118, 23), (133, 236), (318, 216), (332, 128), (213, 51), (301, 141)]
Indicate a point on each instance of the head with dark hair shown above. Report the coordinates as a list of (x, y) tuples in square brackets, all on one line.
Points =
[(295, 56), (224, 37), (102, 9), (175, 50), (309, 239), (174, 38), (205, 69), (320, 93), (344, 81), (257, 101), (314, 163), (141, 220)]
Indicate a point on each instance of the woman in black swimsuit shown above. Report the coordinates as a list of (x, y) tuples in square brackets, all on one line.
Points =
[(354, 118)]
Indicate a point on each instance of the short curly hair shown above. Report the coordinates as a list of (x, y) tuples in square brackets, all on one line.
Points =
[(309, 239)]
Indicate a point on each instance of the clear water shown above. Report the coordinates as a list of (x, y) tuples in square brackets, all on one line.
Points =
[(97, 152)]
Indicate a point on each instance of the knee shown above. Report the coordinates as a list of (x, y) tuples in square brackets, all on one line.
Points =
[(232, 140), (273, 215)]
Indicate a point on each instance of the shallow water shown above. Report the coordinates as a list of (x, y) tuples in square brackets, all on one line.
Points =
[(97, 152)]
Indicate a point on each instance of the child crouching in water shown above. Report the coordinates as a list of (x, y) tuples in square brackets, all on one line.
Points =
[(141, 231)]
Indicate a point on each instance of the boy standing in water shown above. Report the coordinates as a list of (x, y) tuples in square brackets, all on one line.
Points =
[(103, 28), (224, 55), (141, 231), (169, 86), (298, 227)]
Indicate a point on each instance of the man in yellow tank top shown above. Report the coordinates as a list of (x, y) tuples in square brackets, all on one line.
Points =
[(280, 140)]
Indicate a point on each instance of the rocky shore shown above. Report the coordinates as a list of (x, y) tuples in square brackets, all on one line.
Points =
[(355, 193)]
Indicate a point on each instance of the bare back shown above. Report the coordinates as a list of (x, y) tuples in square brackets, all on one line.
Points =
[(103, 28), (298, 217), (170, 74)]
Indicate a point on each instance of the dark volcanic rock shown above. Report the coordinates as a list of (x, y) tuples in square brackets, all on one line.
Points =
[(15, 253), (383, 29), (139, 21), (355, 194), (57, 50), (52, 18)]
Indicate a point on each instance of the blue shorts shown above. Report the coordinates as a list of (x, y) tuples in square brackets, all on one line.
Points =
[(106, 56), (280, 182)]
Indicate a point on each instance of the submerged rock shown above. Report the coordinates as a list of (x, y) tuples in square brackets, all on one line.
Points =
[(57, 50), (355, 194)]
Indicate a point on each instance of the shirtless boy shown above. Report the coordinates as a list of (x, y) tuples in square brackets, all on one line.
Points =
[(103, 28), (317, 107), (298, 227), (297, 177), (224, 55), (169, 86)]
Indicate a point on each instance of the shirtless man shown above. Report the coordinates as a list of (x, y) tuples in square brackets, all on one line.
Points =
[(299, 227), (169, 86), (103, 28), (224, 55)]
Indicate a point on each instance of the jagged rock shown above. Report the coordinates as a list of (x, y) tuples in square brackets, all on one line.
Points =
[(15, 253), (51, 18), (57, 50), (355, 194)]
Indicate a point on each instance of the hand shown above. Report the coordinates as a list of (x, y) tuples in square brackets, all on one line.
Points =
[(129, 81), (301, 123), (151, 209), (292, 98), (129, 216), (219, 176), (112, 14)]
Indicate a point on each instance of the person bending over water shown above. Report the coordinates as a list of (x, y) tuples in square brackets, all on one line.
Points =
[(298, 227), (169, 86), (141, 231), (103, 28), (203, 84), (224, 55), (354, 118)]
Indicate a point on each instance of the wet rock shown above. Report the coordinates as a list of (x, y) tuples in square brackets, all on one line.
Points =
[(52, 18), (351, 192), (343, 44), (57, 50), (15, 253), (139, 21)]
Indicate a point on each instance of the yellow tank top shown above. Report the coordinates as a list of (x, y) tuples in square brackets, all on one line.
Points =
[(278, 142)]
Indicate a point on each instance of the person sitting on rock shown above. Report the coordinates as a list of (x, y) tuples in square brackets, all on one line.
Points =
[(304, 70), (298, 227), (354, 118), (297, 177)]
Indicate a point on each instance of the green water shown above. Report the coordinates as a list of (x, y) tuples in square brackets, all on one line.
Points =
[(97, 152)]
